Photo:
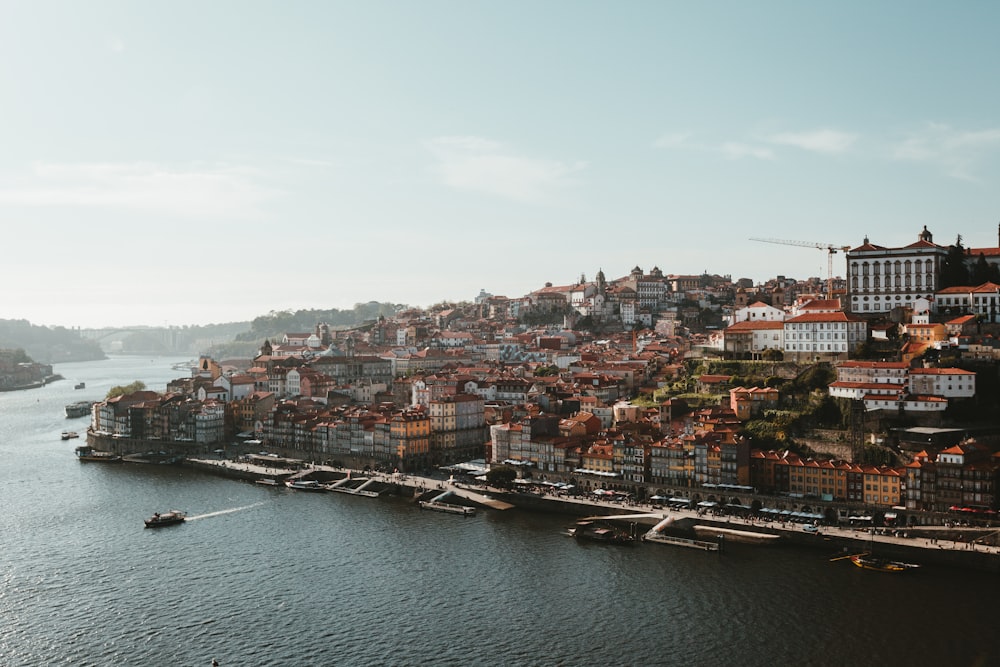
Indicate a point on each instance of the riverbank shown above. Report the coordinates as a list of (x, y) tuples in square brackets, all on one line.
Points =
[(965, 547), (34, 384)]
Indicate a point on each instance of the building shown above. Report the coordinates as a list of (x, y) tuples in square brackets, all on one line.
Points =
[(823, 336), (881, 279)]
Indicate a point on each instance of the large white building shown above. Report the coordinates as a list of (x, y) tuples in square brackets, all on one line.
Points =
[(823, 336), (881, 279)]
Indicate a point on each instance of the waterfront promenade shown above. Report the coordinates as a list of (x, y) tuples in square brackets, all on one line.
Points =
[(953, 545)]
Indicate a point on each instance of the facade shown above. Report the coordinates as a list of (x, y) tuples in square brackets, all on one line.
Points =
[(820, 336), (982, 301), (751, 338), (881, 279)]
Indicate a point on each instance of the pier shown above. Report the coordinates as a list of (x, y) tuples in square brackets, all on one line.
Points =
[(437, 504)]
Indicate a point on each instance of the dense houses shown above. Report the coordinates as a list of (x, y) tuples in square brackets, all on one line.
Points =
[(547, 383)]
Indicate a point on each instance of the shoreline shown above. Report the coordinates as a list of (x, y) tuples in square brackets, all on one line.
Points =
[(927, 545)]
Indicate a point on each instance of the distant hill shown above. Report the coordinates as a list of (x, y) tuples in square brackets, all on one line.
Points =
[(240, 339), (48, 345)]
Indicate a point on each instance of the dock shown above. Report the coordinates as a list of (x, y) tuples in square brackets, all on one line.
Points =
[(742, 536), (702, 545), (655, 535), (438, 504), (450, 508), (355, 486)]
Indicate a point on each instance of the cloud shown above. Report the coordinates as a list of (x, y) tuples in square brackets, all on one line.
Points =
[(959, 153), (192, 191), (672, 140), (819, 141), (482, 165), (736, 150)]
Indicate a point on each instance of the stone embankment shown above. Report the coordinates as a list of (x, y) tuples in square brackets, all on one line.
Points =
[(952, 546)]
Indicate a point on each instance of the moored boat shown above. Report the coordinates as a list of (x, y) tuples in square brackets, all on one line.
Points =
[(600, 532), (304, 485), (166, 519), (78, 409), (88, 453), (869, 562)]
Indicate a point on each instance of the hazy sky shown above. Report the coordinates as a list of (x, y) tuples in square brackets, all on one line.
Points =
[(194, 162)]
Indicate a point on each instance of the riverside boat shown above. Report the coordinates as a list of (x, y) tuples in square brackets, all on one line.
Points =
[(88, 453), (305, 485), (867, 561), (166, 519), (599, 532), (69, 435)]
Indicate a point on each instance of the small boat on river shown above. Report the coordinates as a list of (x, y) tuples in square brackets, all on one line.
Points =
[(866, 561), (166, 519), (69, 435)]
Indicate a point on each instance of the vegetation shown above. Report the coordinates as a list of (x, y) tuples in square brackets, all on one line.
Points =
[(281, 322), (48, 345), (124, 390), (501, 477), (17, 356)]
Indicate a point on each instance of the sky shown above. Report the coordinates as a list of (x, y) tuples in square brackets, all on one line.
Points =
[(200, 162)]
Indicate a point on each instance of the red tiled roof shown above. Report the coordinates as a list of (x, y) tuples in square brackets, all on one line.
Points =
[(760, 325), (824, 317)]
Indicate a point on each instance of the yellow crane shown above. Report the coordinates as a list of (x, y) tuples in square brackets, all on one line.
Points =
[(830, 248)]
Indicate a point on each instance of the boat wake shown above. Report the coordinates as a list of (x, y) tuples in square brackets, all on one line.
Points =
[(221, 512)]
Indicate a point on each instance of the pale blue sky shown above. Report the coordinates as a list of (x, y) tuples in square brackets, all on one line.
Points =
[(194, 162)]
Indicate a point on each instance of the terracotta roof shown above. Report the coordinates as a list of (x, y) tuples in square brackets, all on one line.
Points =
[(824, 317), (759, 325), (940, 371)]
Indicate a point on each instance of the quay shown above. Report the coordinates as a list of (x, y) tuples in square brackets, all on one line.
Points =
[(949, 546), (656, 534)]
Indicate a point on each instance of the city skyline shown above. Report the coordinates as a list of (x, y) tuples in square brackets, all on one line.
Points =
[(191, 164)]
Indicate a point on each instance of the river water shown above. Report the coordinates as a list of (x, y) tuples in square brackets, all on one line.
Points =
[(263, 576)]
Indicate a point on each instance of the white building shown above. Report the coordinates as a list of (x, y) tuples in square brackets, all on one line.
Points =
[(946, 382), (880, 278), (758, 312), (823, 335)]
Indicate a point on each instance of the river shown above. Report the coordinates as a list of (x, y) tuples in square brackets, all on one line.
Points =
[(264, 576)]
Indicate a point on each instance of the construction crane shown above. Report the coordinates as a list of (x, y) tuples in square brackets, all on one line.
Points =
[(830, 248)]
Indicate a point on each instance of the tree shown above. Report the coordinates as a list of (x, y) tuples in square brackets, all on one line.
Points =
[(124, 390), (954, 271), (981, 271), (501, 477)]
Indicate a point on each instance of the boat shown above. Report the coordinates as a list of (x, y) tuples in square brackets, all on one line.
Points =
[(80, 385), (88, 453), (866, 561), (79, 409), (166, 519), (268, 481), (600, 532), (69, 435), (304, 485)]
